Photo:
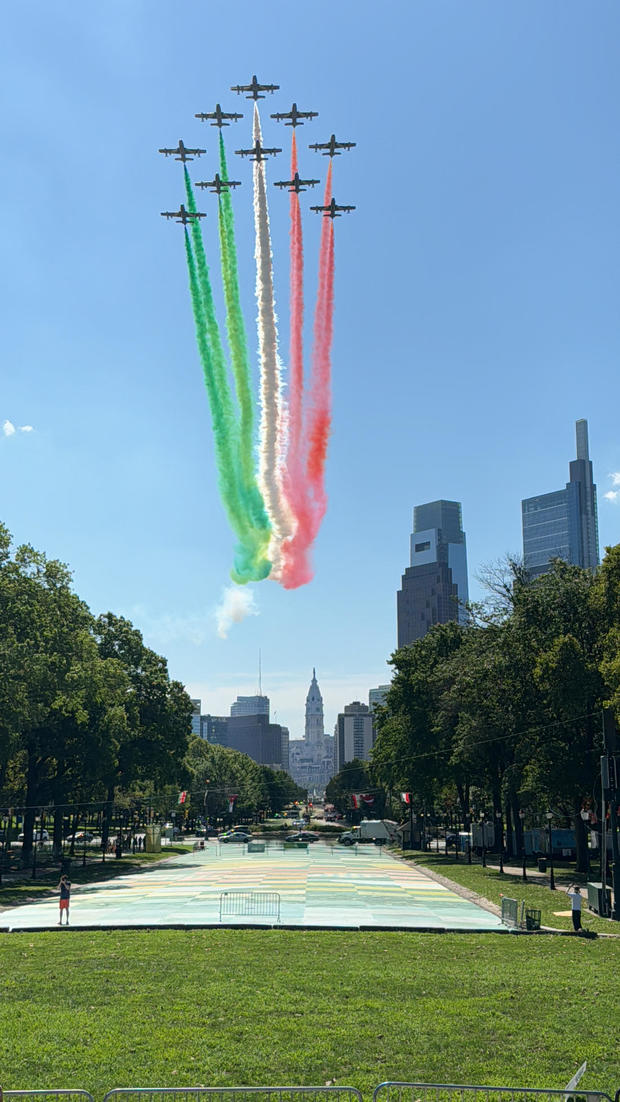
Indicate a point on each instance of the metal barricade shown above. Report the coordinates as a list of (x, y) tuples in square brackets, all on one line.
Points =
[(510, 912), (453, 1092), (249, 904), (234, 1094), (64, 1095)]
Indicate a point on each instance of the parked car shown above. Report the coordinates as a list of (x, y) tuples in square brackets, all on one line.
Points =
[(303, 836), (235, 836), (38, 835), (82, 836)]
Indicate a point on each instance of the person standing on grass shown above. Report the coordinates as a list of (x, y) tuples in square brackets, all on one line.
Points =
[(65, 895), (574, 894)]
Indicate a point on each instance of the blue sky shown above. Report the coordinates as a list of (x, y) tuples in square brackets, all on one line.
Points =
[(477, 301)]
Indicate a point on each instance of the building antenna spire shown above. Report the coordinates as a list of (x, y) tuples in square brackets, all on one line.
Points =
[(260, 680)]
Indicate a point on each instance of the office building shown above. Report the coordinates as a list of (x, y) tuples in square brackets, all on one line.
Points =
[(563, 524), (377, 696), (250, 706), (434, 586), (354, 734), (250, 732), (196, 709)]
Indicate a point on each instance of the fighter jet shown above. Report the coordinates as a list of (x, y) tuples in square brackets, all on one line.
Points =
[(217, 184), (332, 209), (254, 89), (258, 152), (296, 117), (332, 146), (219, 116), (182, 153), (182, 215), (296, 184)]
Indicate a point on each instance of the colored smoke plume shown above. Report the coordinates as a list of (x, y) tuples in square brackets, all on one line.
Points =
[(235, 605)]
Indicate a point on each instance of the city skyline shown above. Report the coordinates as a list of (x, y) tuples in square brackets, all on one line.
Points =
[(475, 306)]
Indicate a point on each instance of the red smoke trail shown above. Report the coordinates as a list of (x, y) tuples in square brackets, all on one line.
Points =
[(320, 396), (308, 497), (296, 569)]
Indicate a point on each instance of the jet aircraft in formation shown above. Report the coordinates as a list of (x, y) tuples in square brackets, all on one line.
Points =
[(332, 210), (217, 184), (182, 215), (254, 89), (296, 184), (332, 146), (219, 116), (294, 116), (258, 152), (182, 153)]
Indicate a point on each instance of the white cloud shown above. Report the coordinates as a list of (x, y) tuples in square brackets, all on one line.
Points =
[(161, 630), (9, 428), (615, 478), (237, 602), (612, 495)]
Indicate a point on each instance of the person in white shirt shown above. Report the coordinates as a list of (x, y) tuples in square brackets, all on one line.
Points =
[(574, 894)]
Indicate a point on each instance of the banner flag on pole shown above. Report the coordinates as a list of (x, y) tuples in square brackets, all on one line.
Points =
[(406, 797)]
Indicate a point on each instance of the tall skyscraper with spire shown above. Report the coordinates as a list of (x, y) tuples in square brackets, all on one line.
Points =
[(563, 524), (311, 759), (315, 725)]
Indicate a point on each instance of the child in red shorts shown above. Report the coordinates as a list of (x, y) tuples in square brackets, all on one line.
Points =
[(65, 896)]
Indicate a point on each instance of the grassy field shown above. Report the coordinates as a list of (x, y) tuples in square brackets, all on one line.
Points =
[(490, 884), (223, 1007)]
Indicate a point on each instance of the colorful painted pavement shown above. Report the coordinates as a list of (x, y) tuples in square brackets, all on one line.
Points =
[(324, 885)]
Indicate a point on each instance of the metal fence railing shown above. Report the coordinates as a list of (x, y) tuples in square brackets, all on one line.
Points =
[(46, 1096), (453, 1092), (235, 1094), (249, 904)]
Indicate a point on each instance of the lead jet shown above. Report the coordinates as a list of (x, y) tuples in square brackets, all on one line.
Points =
[(182, 215), (296, 184), (332, 209), (182, 153), (294, 116), (332, 146), (258, 152), (217, 184), (254, 89), (219, 116)]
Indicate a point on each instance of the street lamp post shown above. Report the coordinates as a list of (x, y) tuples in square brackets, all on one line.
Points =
[(484, 847), (522, 817), (500, 823), (549, 817)]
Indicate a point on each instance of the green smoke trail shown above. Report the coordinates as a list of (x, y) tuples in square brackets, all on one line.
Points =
[(225, 461), (250, 561), (238, 349)]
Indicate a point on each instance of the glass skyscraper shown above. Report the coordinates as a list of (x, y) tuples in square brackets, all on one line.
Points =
[(563, 524), (434, 587)]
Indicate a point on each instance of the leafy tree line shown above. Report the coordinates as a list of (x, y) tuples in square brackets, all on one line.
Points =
[(219, 773), (90, 717), (503, 715), (87, 711)]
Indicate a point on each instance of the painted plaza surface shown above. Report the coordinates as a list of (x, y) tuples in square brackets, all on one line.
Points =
[(324, 885)]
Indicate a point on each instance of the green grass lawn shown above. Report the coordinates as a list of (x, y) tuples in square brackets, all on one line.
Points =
[(225, 1007), (490, 884)]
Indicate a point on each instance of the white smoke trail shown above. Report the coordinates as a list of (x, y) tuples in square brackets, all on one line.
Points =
[(273, 406), (237, 602)]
